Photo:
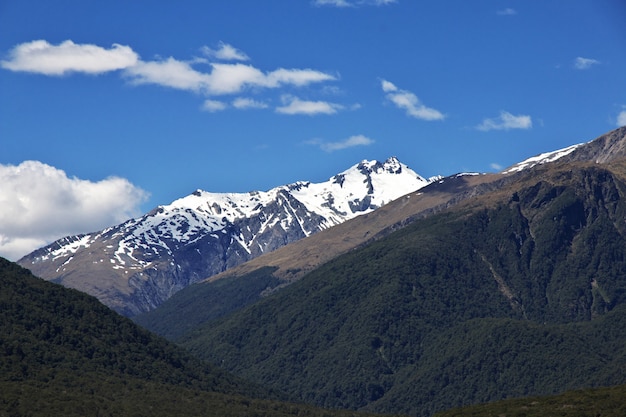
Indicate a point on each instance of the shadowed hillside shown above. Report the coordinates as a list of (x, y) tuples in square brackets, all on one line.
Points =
[(62, 353), (517, 292)]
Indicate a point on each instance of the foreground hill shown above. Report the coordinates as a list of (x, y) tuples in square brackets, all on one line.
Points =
[(135, 266), (604, 402), (64, 353), (519, 291)]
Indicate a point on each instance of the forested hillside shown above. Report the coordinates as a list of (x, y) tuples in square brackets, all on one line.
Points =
[(62, 353), (519, 292), (604, 402)]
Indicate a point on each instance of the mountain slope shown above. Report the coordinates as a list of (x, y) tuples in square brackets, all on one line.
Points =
[(541, 263), (250, 281), (247, 282), (135, 266), (62, 353)]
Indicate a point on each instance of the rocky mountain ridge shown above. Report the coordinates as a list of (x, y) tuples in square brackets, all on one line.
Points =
[(135, 266)]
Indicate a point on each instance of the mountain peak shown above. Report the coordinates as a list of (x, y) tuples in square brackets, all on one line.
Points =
[(605, 148), (144, 261)]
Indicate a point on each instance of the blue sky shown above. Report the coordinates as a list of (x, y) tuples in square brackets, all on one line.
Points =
[(120, 106)]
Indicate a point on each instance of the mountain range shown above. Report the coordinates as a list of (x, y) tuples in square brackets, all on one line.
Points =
[(467, 289), (135, 266), (472, 289)]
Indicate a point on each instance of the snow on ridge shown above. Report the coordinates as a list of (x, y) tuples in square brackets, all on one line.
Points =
[(358, 190), (541, 159), (330, 198)]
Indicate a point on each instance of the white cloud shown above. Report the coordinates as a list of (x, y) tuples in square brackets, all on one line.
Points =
[(621, 117), (168, 73), (506, 121), (223, 79), (297, 77), (409, 102), (41, 57), (507, 12), (41, 203), (225, 52), (347, 3), (248, 103), (357, 140), (496, 166), (585, 63), (213, 106), (294, 105)]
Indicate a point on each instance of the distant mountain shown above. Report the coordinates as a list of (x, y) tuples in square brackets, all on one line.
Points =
[(135, 266), (495, 286), (248, 282), (62, 353)]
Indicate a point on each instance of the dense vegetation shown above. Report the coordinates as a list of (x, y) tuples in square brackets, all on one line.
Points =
[(520, 294), (64, 353), (202, 302), (598, 402)]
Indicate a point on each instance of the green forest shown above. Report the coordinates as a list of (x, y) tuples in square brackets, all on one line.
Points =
[(62, 353)]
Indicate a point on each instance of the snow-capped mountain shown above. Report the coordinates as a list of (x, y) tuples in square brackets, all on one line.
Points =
[(541, 159), (135, 266)]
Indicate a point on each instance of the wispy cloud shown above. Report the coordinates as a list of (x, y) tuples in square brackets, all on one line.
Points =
[(248, 103), (225, 52), (294, 105), (213, 106), (32, 193), (506, 121), (585, 63), (621, 117), (352, 3), (409, 102), (43, 58), (352, 141), (507, 12)]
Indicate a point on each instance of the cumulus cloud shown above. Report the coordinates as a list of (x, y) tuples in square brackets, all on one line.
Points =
[(222, 78), (621, 117), (41, 57), (294, 105), (41, 203), (506, 121), (409, 102), (353, 3), (225, 52), (585, 63), (357, 140)]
